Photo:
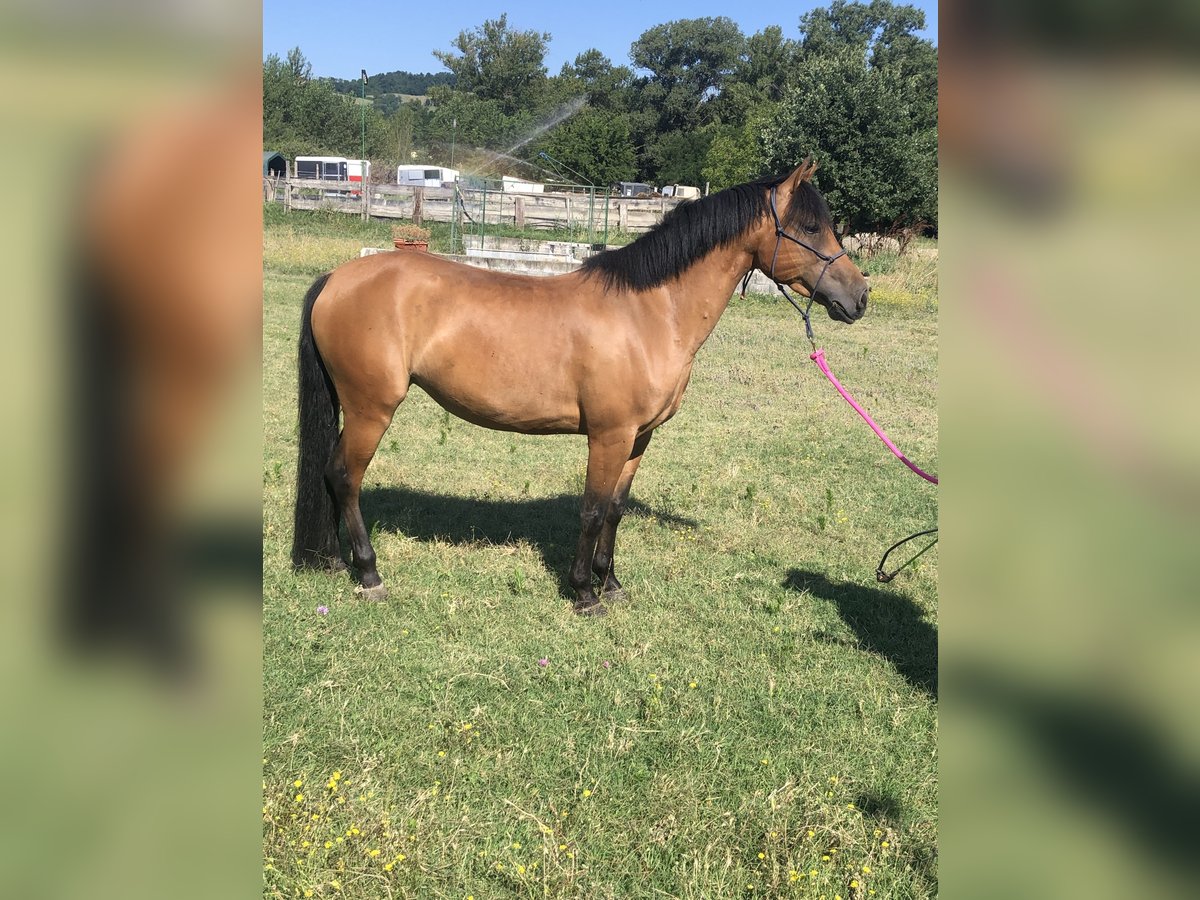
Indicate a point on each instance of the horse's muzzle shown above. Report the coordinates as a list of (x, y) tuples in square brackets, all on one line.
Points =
[(841, 313)]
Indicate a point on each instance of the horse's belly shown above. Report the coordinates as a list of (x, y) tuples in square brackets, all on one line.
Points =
[(529, 408)]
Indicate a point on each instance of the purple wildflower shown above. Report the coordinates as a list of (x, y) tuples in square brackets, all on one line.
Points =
[(543, 662), (323, 610), (606, 664)]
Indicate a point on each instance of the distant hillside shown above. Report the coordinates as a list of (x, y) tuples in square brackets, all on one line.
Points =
[(416, 84)]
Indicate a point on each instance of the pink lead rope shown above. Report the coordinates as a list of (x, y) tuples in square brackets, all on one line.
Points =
[(819, 358)]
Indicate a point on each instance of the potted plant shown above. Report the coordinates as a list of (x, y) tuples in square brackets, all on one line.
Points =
[(410, 237)]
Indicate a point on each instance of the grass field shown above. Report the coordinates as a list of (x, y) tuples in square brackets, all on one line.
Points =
[(759, 720)]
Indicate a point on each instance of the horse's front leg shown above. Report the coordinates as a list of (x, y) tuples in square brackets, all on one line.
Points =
[(603, 561), (607, 455)]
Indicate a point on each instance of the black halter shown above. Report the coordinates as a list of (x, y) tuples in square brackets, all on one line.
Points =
[(780, 234)]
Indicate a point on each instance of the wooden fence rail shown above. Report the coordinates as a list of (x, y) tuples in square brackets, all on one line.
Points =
[(551, 210)]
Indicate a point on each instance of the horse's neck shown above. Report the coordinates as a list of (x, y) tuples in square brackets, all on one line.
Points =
[(703, 292)]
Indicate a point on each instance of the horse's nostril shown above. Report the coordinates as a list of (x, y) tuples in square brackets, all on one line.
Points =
[(862, 301)]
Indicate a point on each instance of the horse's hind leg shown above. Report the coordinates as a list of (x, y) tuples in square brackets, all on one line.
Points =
[(603, 561), (360, 438)]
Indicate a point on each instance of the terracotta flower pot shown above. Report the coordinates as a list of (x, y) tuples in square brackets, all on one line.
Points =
[(419, 246)]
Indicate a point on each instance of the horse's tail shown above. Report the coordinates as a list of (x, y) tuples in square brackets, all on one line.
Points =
[(315, 536)]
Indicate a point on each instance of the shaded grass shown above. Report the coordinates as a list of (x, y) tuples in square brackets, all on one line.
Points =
[(760, 711)]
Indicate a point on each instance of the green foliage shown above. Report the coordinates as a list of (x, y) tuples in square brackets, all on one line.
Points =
[(757, 78), (872, 136), (678, 157), (410, 83), (862, 99), (594, 143), (689, 61), (480, 122), (496, 63), (733, 157), (857, 88), (302, 115), (593, 73)]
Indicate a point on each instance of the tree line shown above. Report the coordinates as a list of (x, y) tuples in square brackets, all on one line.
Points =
[(412, 83), (700, 102)]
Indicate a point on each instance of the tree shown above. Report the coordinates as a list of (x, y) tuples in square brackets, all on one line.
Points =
[(734, 156), (862, 98), (499, 64), (882, 33), (689, 61), (593, 73), (467, 119), (678, 157), (595, 144), (303, 115), (870, 131)]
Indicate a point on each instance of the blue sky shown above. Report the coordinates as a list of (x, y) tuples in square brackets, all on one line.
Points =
[(403, 36)]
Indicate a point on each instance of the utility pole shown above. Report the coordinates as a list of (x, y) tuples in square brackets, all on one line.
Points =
[(364, 127)]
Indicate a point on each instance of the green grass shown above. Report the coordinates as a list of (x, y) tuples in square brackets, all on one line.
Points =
[(761, 707)]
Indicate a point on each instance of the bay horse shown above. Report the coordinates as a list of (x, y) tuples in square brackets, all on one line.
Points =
[(605, 351)]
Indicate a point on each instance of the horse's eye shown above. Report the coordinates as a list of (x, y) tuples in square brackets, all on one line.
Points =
[(812, 229)]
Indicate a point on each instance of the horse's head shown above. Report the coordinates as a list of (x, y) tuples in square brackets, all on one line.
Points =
[(798, 248)]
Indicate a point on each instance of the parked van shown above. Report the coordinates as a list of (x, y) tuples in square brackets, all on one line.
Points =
[(681, 191), (634, 189)]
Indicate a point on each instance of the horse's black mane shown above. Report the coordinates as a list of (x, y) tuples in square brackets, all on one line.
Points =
[(692, 230)]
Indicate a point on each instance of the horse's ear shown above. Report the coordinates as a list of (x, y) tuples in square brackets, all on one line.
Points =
[(804, 172)]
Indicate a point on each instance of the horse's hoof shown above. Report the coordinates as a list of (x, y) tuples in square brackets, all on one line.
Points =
[(595, 609), (374, 594), (617, 596)]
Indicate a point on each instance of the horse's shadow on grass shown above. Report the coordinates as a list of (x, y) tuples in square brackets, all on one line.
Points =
[(886, 623), (1104, 754), (549, 524)]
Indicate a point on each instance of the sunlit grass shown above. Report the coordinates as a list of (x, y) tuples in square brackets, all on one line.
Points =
[(758, 721)]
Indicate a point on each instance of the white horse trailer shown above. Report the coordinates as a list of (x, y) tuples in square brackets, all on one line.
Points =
[(426, 176), (335, 169)]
